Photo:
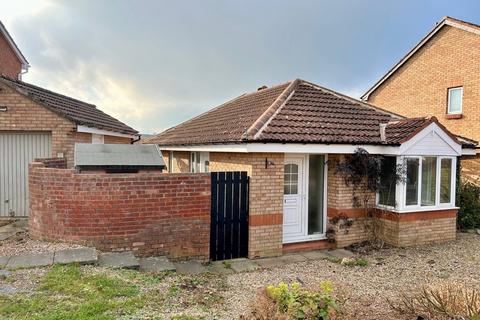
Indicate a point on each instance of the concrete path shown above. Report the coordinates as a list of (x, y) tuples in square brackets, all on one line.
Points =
[(125, 260), (161, 264)]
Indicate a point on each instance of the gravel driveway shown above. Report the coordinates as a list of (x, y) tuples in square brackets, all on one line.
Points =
[(390, 272)]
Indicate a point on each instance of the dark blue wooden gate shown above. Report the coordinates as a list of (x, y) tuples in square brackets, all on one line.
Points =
[(229, 215)]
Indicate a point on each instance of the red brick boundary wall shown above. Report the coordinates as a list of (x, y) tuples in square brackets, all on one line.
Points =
[(152, 214), (60, 163)]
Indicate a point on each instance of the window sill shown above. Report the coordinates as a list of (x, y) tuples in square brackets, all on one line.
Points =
[(419, 209), (454, 116)]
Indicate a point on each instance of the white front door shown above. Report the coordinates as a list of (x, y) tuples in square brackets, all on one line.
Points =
[(293, 199)]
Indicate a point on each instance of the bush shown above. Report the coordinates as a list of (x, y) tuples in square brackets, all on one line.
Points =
[(284, 302), (451, 301), (468, 199)]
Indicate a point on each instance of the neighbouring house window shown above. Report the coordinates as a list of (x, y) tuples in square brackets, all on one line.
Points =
[(445, 180), (170, 161), (455, 97), (411, 196), (290, 181), (316, 181), (429, 179), (98, 138), (386, 194), (199, 162)]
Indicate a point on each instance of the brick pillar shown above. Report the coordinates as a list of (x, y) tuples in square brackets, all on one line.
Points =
[(266, 206)]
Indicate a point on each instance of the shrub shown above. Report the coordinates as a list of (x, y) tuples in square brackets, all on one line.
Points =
[(468, 199), (284, 302), (453, 301)]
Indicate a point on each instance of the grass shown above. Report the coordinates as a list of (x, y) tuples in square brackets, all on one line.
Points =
[(66, 293), (79, 293)]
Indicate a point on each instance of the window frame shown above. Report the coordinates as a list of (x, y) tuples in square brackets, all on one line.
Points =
[(203, 157), (438, 204), (170, 162), (401, 188), (449, 98)]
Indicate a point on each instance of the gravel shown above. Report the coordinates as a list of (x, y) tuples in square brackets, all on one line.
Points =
[(22, 243), (390, 272)]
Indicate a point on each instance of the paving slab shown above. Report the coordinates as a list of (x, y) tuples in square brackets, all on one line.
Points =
[(242, 265), (30, 260), (156, 264), (220, 267), (316, 255), (118, 260), (190, 267), (82, 256), (4, 261), (340, 253), (293, 258)]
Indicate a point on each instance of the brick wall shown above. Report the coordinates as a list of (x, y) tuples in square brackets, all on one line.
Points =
[(417, 228), (266, 194), (152, 214), (419, 87), (59, 163), (10, 65), (266, 197), (83, 137)]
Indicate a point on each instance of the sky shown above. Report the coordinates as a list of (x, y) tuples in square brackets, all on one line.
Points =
[(153, 64)]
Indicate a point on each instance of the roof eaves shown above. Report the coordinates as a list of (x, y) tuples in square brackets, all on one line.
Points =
[(259, 125)]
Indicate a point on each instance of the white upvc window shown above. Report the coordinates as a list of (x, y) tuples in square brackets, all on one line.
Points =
[(429, 184), (455, 100), (98, 138), (199, 162)]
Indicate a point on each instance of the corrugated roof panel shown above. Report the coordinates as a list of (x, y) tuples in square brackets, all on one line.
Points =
[(118, 155)]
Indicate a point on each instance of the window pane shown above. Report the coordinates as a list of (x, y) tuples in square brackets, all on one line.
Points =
[(412, 182), (445, 180), (387, 182), (290, 179), (455, 100), (315, 194), (429, 173)]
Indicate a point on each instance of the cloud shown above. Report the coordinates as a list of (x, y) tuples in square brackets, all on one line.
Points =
[(155, 63)]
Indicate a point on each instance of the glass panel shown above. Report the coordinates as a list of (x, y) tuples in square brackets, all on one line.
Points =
[(387, 182), (455, 100), (412, 182), (192, 162), (290, 179), (315, 194), (445, 180), (429, 176)]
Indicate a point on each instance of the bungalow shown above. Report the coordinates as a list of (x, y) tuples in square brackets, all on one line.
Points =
[(288, 138)]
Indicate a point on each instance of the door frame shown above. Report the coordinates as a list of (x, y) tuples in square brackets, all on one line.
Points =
[(304, 199)]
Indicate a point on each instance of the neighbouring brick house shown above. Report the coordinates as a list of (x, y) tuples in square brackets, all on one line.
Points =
[(288, 139), (38, 123), (439, 77)]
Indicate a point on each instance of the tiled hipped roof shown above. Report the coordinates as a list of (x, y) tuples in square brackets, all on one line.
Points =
[(79, 112), (294, 112)]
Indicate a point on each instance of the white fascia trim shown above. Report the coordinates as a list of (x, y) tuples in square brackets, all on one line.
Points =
[(415, 49), (104, 132), (469, 152), (287, 148)]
